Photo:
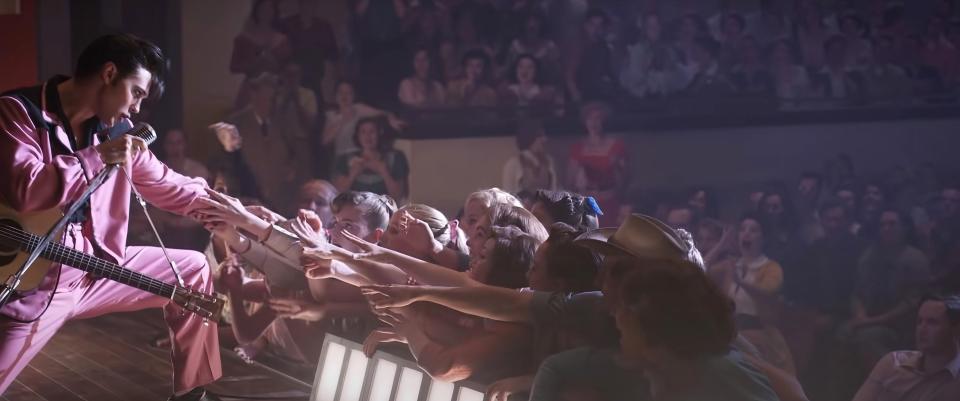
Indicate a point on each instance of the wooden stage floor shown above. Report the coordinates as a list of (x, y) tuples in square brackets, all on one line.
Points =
[(109, 359)]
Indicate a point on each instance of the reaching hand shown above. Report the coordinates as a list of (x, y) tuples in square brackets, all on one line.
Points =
[(220, 208), (231, 274), (381, 335), (502, 389), (293, 308), (367, 250), (228, 135), (392, 296), (309, 228), (265, 214)]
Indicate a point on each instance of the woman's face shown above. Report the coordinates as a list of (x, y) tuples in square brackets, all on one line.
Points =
[(594, 121), (421, 64), (526, 71), (480, 234), (345, 94), (368, 135), (751, 236), (538, 277), (473, 211), (539, 145), (480, 265)]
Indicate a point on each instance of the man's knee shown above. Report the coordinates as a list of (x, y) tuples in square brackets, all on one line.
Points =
[(193, 267)]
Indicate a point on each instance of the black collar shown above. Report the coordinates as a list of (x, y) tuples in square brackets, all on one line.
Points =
[(55, 106)]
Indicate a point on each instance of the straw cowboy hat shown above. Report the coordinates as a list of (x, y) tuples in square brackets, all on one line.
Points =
[(640, 236)]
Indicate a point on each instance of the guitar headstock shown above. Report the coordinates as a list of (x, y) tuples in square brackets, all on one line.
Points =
[(207, 306)]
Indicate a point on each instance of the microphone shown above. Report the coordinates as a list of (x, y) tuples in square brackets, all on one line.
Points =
[(141, 130)]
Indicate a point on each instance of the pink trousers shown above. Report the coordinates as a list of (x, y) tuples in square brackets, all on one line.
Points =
[(195, 351)]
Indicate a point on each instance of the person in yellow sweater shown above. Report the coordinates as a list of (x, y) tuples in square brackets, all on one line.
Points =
[(754, 281)]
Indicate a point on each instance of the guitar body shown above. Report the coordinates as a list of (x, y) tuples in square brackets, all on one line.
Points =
[(11, 257)]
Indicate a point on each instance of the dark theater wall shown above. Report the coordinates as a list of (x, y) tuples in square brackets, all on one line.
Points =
[(18, 47)]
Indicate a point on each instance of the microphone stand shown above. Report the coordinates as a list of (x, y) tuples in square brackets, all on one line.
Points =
[(10, 286)]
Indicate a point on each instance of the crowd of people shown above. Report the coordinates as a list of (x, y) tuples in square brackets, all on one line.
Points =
[(564, 284), (539, 54)]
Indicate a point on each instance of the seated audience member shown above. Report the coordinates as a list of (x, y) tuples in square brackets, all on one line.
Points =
[(422, 89), (175, 156), (598, 163), (790, 79), (533, 41), (589, 72), (891, 276), (706, 75), (883, 78), (731, 37), (827, 278), (782, 241), (754, 281), (472, 89), (685, 350), (837, 79), (565, 207), (704, 202), (341, 122), (652, 66), (853, 29), (377, 167), (525, 86), (533, 168), (260, 48), (932, 372), (750, 74)]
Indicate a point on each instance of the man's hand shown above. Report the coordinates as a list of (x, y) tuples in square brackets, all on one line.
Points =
[(381, 335), (391, 296), (119, 150), (228, 135)]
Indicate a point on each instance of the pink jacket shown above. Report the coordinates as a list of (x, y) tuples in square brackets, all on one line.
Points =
[(34, 179)]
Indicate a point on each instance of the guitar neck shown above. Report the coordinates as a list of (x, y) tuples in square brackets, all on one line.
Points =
[(71, 257)]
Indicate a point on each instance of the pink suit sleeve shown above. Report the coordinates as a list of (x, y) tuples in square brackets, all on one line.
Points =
[(163, 187)]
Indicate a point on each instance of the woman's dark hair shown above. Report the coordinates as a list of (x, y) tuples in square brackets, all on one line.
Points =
[(384, 142), (384, 139), (761, 220), (544, 29), (788, 218), (476, 54), (506, 215), (573, 265), (528, 131), (567, 207), (511, 257), (679, 309), (516, 65), (256, 6), (432, 73), (375, 209), (128, 53)]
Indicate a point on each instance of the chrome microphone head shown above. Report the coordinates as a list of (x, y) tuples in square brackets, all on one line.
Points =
[(144, 131)]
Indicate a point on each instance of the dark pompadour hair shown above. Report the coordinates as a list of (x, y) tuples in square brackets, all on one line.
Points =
[(128, 53)]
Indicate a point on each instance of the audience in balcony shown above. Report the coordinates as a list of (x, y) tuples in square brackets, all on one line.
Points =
[(422, 89)]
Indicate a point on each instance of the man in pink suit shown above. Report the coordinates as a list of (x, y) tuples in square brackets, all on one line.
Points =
[(49, 151)]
